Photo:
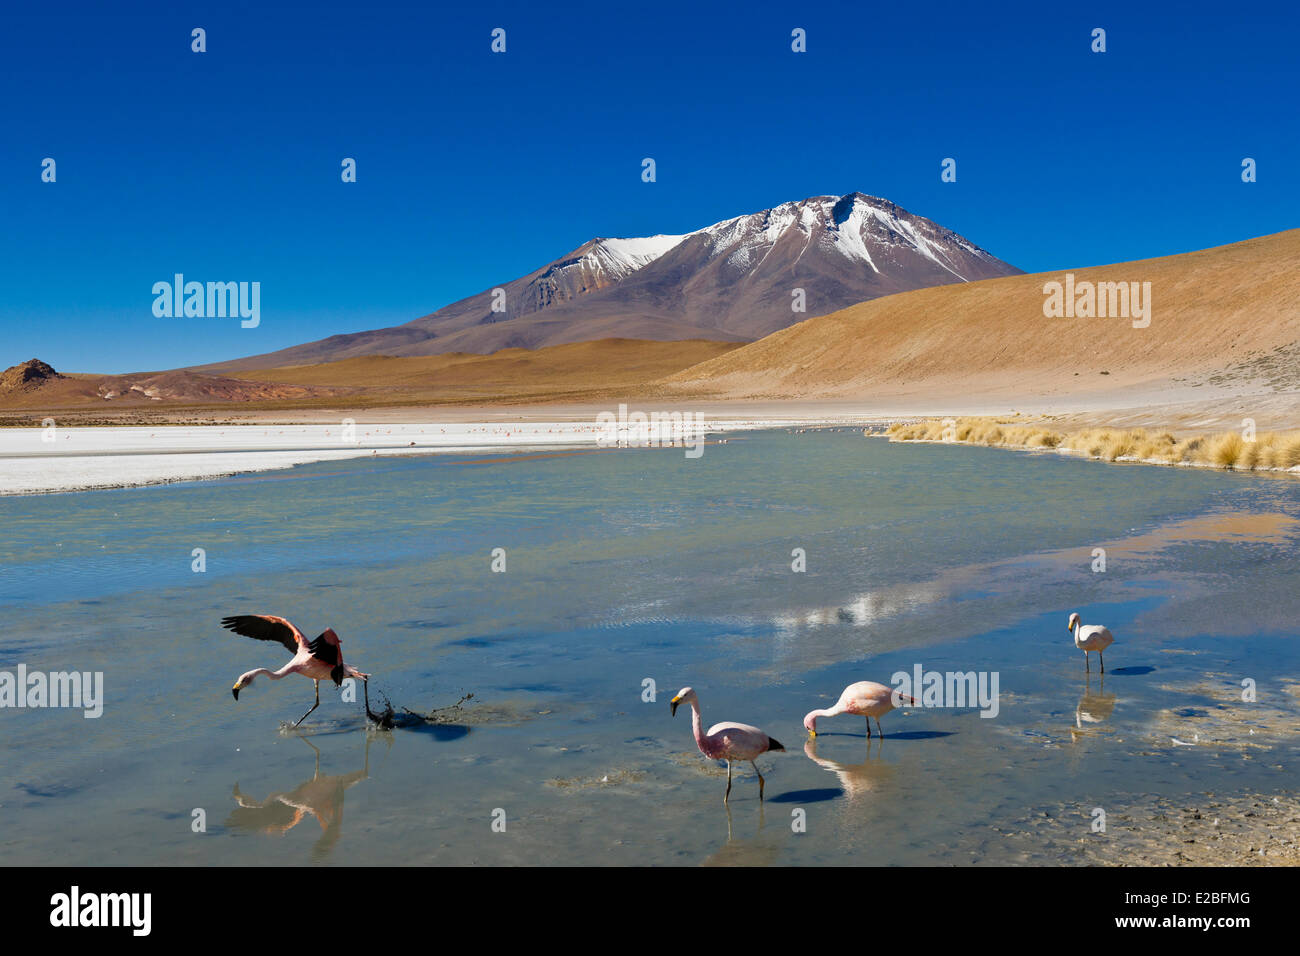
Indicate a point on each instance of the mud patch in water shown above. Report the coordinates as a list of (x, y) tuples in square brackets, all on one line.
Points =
[(1215, 715), (1243, 829), (614, 778)]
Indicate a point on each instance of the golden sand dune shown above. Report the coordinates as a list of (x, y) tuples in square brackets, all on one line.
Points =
[(1220, 319)]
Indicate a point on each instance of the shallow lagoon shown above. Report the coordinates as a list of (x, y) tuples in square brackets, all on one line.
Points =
[(634, 564)]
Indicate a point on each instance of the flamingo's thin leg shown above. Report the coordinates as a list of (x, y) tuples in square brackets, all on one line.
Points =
[(879, 728), (868, 726), (726, 797), (1086, 666), (365, 689), (760, 781), (313, 707), (1103, 662)]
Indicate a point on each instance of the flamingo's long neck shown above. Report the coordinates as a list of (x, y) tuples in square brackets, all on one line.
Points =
[(697, 724), (260, 672), (829, 711)]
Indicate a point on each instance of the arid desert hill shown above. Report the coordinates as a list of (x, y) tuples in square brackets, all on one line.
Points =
[(599, 371), (34, 384), (1227, 318), (1223, 340), (605, 366)]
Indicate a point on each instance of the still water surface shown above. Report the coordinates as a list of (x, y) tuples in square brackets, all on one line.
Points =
[(635, 565)]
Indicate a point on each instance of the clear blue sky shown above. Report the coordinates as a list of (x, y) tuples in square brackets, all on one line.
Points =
[(475, 168)]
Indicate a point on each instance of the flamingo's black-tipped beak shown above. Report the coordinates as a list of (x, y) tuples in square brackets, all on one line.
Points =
[(673, 705), (235, 692)]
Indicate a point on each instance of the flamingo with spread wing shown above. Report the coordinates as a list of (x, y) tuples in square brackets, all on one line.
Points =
[(320, 659)]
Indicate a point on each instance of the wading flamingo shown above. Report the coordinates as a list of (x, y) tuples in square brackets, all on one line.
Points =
[(726, 741), (1093, 637), (319, 659), (865, 698)]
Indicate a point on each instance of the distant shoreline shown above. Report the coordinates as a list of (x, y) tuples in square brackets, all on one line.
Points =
[(101, 458)]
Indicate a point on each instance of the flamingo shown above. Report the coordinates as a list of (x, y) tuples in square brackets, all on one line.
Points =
[(865, 698), (318, 659), (726, 741), (1092, 637)]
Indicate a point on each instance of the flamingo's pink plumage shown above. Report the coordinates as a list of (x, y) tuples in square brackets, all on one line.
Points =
[(1090, 637), (865, 698), (320, 659), (726, 741)]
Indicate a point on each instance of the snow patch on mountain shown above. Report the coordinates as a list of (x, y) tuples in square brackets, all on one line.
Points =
[(622, 257), (849, 236), (859, 227)]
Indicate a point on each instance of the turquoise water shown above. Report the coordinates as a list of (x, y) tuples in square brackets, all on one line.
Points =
[(630, 566)]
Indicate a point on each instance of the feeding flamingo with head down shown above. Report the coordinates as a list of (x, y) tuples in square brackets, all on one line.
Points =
[(726, 741), (1093, 637), (319, 659), (866, 699)]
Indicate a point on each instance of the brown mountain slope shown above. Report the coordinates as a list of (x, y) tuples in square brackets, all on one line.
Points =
[(1230, 311), (35, 385), (585, 371), (556, 371)]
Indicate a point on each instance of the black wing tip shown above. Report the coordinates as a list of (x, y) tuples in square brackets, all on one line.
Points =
[(774, 744), (323, 650), (261, 628)]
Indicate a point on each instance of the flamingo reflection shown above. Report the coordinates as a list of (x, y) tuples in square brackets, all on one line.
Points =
[(747, 851), (1093, 708), (856, 778), (320, 797)]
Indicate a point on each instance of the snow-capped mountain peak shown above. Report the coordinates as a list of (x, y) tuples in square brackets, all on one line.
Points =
[(735, 280), (853, 226)]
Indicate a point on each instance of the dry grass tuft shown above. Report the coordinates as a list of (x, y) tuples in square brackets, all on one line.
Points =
[(1269, 451)]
